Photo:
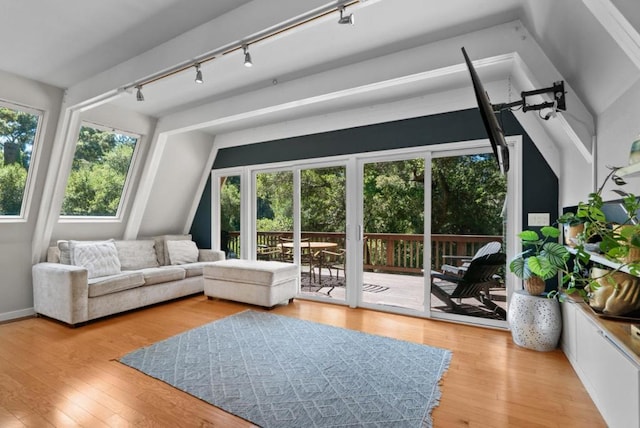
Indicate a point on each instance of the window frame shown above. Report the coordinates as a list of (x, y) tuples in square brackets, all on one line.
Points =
[(29, 185), (126, 187)]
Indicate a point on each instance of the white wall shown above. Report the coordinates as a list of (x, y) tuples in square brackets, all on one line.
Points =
[(618, 127), (177, 185), (16, 296)]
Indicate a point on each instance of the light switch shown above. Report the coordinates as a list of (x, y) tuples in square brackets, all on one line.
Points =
[(538, 219)]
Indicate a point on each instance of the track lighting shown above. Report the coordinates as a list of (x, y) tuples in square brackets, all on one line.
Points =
[(244, 43), (247, 56), (198, 74), (349, 19)]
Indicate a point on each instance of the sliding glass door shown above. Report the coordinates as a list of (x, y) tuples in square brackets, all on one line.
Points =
[(468, 200), (323, 225), (366, 230), (230, 215), (274, 215), (393, 233)]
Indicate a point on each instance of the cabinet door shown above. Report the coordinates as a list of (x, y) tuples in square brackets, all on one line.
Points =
[(568, 339), (612, 379)]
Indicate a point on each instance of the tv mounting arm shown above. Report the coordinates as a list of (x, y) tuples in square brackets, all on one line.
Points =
[(558, 102)]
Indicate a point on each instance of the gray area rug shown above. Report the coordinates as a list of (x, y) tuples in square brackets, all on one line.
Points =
[(276, 371)]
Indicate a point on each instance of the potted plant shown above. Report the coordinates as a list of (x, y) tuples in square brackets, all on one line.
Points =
[(573, 227), (543, 258), (619, 242)]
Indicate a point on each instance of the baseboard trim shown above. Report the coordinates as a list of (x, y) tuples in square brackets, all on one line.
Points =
[(22, 313)]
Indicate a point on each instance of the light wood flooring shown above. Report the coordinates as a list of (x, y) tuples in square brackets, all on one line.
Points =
[(53, 375)]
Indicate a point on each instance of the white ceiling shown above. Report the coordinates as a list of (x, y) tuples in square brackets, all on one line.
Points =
[(66, 42)]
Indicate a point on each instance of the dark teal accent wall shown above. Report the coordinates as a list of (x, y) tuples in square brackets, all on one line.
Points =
[(201, 226), (540, 184)]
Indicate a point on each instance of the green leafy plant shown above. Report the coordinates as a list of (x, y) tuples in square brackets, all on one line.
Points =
[(616, 241), (543, 256)]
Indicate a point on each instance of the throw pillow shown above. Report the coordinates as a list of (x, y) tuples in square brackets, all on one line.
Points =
[(65, 252), (136, 254), (99, 258), (182, 252), (161, 248)]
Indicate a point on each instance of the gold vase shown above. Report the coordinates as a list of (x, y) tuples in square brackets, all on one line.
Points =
[(534, 285), (572, 232), (618, 294)]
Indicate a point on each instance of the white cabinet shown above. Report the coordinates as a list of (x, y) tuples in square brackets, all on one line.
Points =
[(609, 370)]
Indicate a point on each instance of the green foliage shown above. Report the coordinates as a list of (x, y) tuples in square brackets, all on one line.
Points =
[(323, 205), (394, 197), (543, 257), (468, 193), (17, 132), (468, 196), (274, 192), (98, 174), (230, 203), (12, 181)]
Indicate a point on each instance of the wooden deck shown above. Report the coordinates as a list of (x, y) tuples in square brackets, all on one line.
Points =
[(400, 290)]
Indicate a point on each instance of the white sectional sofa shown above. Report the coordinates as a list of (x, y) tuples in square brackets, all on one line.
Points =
[(85, 280)]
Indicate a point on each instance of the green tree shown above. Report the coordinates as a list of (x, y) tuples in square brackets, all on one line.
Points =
[(323, 206), (17, 132), (12, 182), (99, 172), (274, 192), (468, 193), (394, 197), (230, 204)]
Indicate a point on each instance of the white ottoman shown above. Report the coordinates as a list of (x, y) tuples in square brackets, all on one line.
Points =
[(257, 282)]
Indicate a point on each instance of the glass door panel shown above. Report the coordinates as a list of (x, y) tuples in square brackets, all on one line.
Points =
[(467, 219), (323, 219), (230, 216), (393, 241), (274, 215)]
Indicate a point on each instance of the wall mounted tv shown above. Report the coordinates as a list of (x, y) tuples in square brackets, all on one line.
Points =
[(496, 135), (488, 111)]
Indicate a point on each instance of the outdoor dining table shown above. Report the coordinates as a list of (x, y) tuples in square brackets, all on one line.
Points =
[(311, 246)]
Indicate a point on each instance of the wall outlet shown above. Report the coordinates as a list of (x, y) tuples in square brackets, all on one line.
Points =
[(538, 219)]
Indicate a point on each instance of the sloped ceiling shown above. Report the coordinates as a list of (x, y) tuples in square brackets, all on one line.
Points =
[(67, 43)]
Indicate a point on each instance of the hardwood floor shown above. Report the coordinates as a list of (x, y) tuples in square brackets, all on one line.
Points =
[(54, 375)]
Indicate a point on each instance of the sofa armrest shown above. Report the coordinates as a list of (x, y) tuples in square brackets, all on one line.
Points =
[(206, 255), (61, 292)]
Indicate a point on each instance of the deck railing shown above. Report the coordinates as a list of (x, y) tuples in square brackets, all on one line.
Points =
[(388, 252)]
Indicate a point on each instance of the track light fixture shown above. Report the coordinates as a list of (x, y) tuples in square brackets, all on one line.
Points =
[(244, 44), (198, 74), (349, 19), (247, 56)]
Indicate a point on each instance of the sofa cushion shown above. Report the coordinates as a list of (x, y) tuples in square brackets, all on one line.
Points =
[(99, 258), (194, 269), (181, 252), (161, 250), (113, 283), (64, 256), (137, 254), (162, 274), (268, 273)]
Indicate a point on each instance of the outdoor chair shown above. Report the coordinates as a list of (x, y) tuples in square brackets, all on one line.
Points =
[(332, 260), (489, 248), (307, 256), (266, 252), (474, 283)]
